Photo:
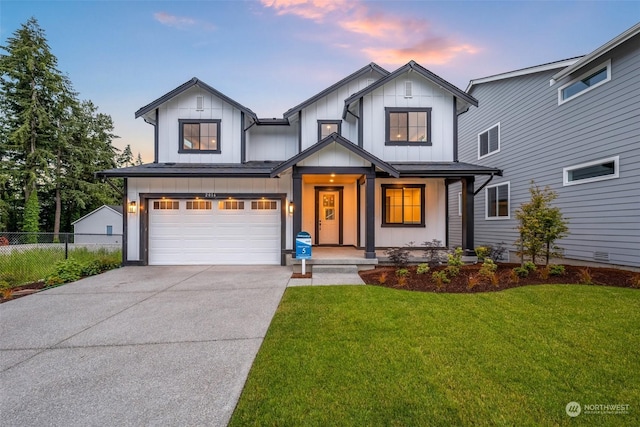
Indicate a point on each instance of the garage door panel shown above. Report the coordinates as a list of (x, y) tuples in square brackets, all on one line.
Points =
[(214, 236)]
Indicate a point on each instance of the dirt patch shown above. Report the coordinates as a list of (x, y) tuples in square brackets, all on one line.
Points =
[(301, 276), (21, 291), (469, 280)]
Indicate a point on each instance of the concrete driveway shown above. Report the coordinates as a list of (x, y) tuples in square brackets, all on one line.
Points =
[(136, 346)]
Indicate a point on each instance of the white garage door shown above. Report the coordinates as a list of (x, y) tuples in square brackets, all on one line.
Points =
[(207, 232)]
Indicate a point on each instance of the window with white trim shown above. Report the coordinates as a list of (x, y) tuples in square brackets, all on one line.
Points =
[(460, 204), (489, 141), (598, 170), (109, 230), (585, 82), (497, 201)]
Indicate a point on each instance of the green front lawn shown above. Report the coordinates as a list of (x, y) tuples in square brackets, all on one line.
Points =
[(364, 355)]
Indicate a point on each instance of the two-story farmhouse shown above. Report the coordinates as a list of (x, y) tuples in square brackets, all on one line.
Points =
[(364, 163), (572, 125)]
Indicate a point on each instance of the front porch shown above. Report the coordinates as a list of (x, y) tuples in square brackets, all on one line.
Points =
[(337, 259)]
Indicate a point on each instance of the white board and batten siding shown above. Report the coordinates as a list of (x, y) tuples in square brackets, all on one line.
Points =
[(276, 143), (184, 106), (225, 229), (424, 95), (330, 107), (539, 138)]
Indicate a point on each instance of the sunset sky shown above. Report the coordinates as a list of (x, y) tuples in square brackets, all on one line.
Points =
[(270, 55)]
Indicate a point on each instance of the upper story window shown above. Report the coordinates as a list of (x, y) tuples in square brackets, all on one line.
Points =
[(598, 170), (489, 141), (327, 127), (497, 201), (199, 136), (590, 80), (403, 205), (408, 126)]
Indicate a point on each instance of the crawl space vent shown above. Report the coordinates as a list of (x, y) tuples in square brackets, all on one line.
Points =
[(601, 256)]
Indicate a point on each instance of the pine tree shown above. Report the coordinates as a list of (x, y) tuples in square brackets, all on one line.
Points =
[(125, 159), (31, 88), (139, 159)]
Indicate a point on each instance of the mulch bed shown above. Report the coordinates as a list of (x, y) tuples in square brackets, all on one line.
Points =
[(22, 291), (386, 276)]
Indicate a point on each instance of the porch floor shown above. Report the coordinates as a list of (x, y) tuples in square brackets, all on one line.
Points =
[(335, 256)]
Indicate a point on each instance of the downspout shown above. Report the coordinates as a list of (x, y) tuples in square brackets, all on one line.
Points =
[(475, 193)]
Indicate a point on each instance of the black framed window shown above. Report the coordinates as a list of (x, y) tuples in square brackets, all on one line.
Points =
[(408, 126), (327, 127), (403, 205), (199, 136)]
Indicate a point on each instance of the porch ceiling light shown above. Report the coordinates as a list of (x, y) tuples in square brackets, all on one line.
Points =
[(132, 206)]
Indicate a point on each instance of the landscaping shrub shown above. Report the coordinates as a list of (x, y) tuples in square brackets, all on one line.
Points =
[(497, 252), (488, 271), (585, 277), (520, 272), (68, 270), (482, 252), (383, 278), (402, 272), (529, 266), (440, 278), (556, 270), (432, 251), (422, 268), (399, 257), (544, 273), (473, 281)]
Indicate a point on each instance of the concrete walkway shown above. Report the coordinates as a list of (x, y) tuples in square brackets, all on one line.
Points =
[(136, 346)]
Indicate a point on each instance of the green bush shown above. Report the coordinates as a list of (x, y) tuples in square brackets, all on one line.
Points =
[(402, 272), (529, 266), (440, 278), (521, 271), (455, 259), (422, 268), (68, 270), (452, 270), (488, 268), (482, 252), (556, 270)]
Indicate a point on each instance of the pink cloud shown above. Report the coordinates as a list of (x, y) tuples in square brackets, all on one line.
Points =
[(435, 50), (180, 22), (314, 10), (414, 38)]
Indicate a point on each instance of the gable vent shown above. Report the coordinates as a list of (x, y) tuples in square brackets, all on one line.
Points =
[(601, 256), (199, 103), (408, 89)]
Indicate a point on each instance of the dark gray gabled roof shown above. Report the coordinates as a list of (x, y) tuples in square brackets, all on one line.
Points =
[(411, 66), (443, 169), (192, 170), (187, 85), (362, 71), (334, 137)]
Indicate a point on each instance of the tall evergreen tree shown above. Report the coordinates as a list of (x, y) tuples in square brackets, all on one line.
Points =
[(30, 86)]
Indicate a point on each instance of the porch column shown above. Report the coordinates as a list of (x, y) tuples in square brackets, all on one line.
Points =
[(370, 201), (467, 215), (297, 207)]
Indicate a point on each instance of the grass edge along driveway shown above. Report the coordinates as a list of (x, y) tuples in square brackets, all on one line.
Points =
[(376, 356)]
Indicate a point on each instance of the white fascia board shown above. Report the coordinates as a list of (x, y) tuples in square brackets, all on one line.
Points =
[(631, 32), (523, 72)]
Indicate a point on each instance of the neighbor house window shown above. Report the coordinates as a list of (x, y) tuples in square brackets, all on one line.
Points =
[(403, 205), (408, 126), (598, 170), (459, 204), (489, 141), (109, 230), (497, 201), (199, 136), (587, 81), (327, 127)]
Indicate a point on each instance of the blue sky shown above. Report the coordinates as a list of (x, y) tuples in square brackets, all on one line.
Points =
[(270, 55)]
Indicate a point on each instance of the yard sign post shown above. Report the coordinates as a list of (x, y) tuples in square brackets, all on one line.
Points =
[(303, 248)]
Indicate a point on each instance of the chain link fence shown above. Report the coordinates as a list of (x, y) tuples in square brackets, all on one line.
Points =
[(26, 257)]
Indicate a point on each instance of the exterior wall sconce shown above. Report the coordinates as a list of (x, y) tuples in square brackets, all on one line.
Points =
[(290, 208), (132, 207)]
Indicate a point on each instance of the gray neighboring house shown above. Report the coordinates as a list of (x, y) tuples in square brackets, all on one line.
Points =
[(103, 225), (573, 125)]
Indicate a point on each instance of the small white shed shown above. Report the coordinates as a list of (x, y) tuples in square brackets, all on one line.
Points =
[(103, 225)]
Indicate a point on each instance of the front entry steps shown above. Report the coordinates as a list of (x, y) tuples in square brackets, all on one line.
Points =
[(333, 265)]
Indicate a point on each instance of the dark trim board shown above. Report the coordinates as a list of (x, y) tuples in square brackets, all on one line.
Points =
[(340, 191), (144, 216)]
